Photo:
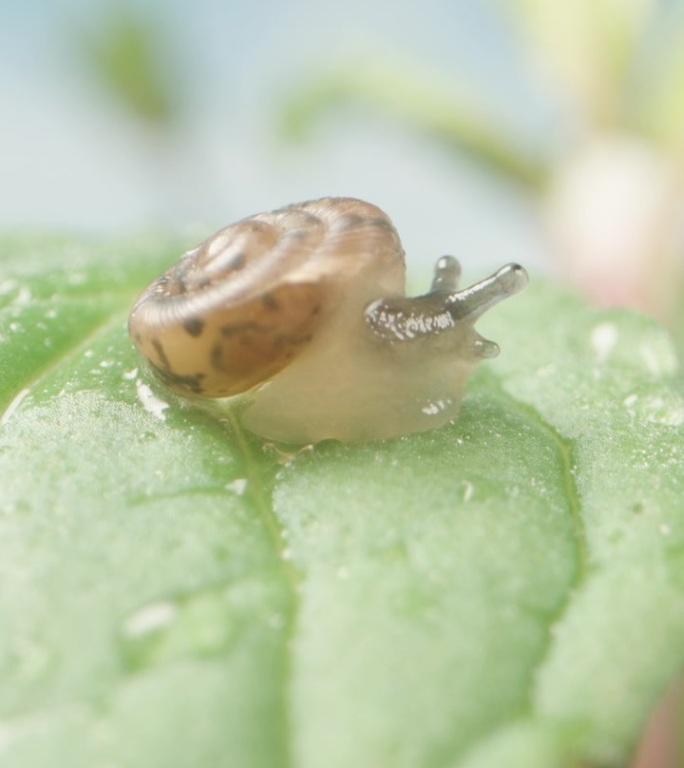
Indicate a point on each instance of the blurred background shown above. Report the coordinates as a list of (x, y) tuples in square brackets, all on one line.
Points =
[(546, 133), (550, 133), (120, 115)]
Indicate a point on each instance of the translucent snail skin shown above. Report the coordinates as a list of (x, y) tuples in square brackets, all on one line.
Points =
[(304, 309)]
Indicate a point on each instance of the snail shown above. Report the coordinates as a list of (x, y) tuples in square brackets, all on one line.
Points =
[(304, 309)]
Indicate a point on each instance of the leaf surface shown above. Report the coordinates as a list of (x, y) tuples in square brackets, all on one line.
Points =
[(508, 590)]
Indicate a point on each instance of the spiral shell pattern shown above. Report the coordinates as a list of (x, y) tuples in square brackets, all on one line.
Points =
[(235, 310)]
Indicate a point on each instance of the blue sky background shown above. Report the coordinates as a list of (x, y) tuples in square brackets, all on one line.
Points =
[(70, 160)]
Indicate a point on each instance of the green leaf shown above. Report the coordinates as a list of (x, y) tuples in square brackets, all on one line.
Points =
[(508, 590)]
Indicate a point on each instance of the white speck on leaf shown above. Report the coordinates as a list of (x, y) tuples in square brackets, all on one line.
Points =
[(149, 619), (150, 402), (660, 410), (24, 297), (238, 486), (603, 339), (630, 400), (468, 491)]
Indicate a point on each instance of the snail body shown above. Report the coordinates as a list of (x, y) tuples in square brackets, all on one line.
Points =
[(304, 308)]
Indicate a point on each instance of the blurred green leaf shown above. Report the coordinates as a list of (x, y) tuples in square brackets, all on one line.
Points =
[(422, 101), (129, 56), (506, 591)]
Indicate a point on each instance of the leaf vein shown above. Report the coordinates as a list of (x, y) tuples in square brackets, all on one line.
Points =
[(69, 354)]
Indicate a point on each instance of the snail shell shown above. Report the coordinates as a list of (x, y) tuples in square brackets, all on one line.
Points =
[(304, 308)]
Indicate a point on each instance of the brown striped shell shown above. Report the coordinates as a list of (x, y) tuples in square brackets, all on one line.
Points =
[(305, 309), (237, 309)]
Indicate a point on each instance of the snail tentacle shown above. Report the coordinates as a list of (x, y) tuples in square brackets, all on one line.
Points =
[(473, 302), (447, 275), (442, 309)]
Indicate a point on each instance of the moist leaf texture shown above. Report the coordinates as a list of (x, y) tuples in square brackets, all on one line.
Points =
[(508, 590)]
